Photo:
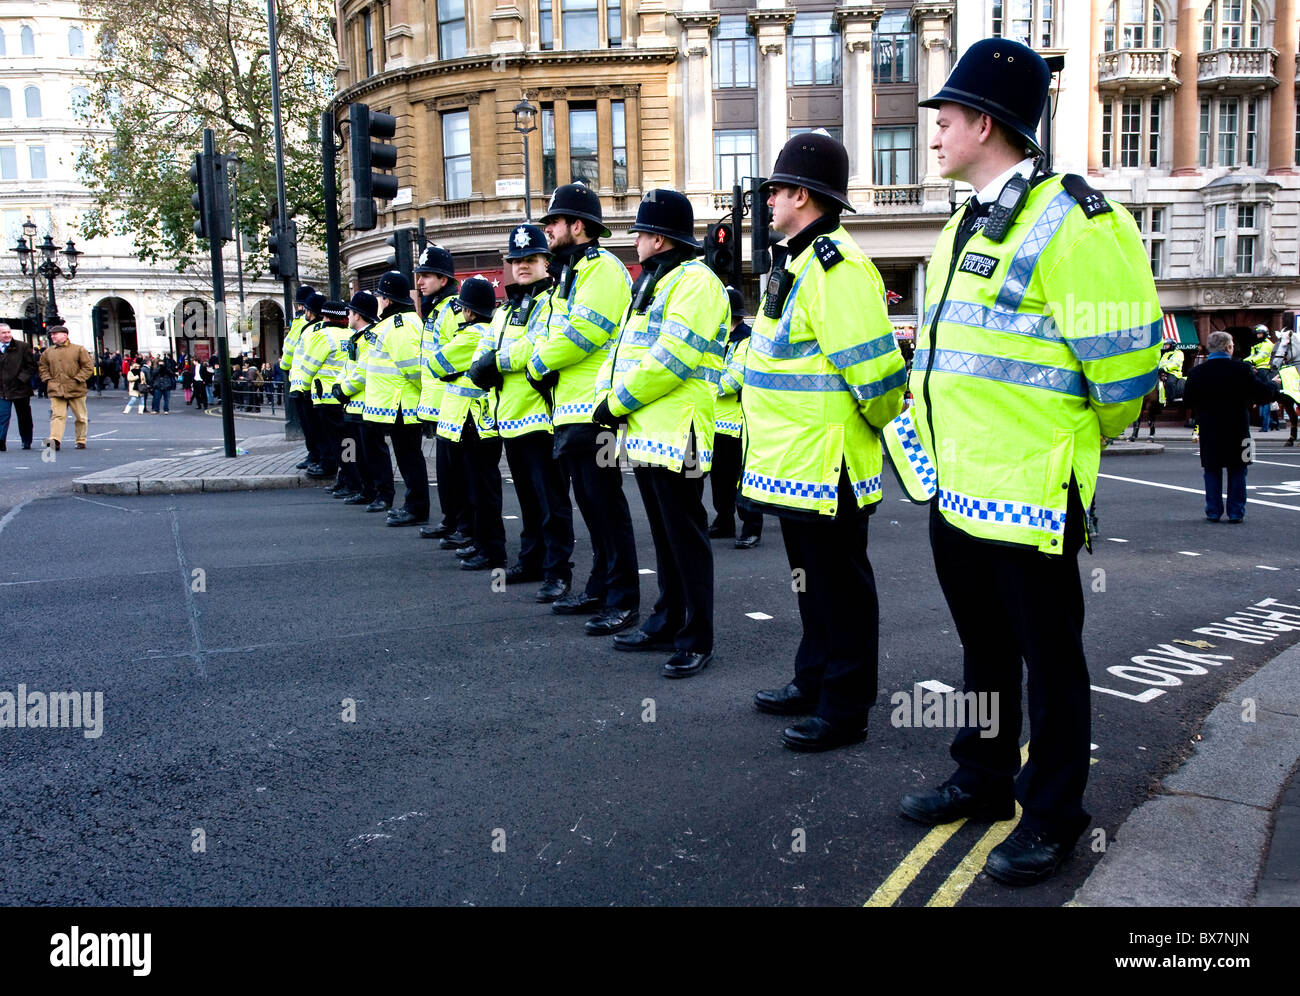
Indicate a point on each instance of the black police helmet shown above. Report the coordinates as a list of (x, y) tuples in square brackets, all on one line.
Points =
[(436, 259), (525, 241), (737, 302), (365, 305), (315, 303), (477, 295), (1003, 79), (817, 162), (394, 286), (334, 309), (304, 292), (577, 200), (666, 212)]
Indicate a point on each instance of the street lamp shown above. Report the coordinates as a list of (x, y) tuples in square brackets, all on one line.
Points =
[(49, 269), (525, 122), (26, 251)]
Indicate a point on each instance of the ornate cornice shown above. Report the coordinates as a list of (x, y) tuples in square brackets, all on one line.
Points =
[(1251, 293), (698, 19), (931, 11)]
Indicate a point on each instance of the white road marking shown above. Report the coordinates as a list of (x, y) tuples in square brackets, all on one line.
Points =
[(508, 517), (758, 615), (1265, 567), (1194, 491), (934, 685), (1188, 553), (101, 435), (120, 508), (645, 570), (1274, 463), (1116, 539), (9, 516)]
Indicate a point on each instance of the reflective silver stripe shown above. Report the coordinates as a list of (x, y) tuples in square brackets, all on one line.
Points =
[(1022, 265), (706, 374), (626, 398), (1009, 371), (595, 317), (412, 362), (759, 343), (679, 369), (693, 339), (1098, 347), (865, 392), (465, 392), (869, 350), (1118, 391), (795, 381), (997, 320)]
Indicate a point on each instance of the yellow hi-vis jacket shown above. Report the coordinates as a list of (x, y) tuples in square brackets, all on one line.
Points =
[(439, 326), (583, 323), (297, 381), (352, 379), (291, 342), (1171, 363), (392, 377), (664, 368), (461, 399), (1291, 381), (323, 353), (820, 381), (517, 325), (727, 418), (1032, 349), (1261, 354)]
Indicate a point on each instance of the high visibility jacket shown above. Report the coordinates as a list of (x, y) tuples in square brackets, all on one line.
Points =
[(664, 369), (1170, 363), (1291, 382), (392, 379), (291, 341), (727, 418), (298, 382), (517, 325), (587, 305), (819, 382), (461, 399), (323, 353), (1032, 349), (1261, 355), (352, 379), (439, 326)]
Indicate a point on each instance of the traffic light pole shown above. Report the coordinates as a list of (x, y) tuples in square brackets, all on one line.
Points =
[(292, 429), (328, 151), (212, 225)]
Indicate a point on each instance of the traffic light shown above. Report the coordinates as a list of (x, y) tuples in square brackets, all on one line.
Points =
[(402, 260), (761, 235), (720, 250), (221, 198), (283, 249), (199, 197), (368, 156), (211, 197)]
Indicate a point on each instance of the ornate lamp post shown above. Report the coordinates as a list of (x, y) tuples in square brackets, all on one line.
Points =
[(525, 122), (26, 251)]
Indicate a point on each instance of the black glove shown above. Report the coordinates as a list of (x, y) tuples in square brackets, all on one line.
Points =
[(545, 387), (319, 393), (337, 391), (448, 378), (603, 416), (484, 373)]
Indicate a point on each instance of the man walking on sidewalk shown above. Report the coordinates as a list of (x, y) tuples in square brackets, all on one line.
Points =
[(65, 371), (17, 365)]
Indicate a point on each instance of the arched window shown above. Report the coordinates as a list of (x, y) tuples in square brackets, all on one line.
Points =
[(6, 105), (2, 42), (32, 96), (76, 43), (80, 102), (28, 41), (1134, 24), (1232, 24)]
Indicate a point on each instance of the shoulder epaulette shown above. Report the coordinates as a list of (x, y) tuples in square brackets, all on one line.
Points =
[(1092, 201), (397, 320), (455, 306), (593, 252), (828, 253)]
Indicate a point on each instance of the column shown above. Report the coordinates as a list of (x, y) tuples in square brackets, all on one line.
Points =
[(934, 61), (398, 36), (857, 25), (1281, 119), (1187, 104), (507, 28), (563, 164), (605, 140), (632, 116), (770, 25), (698, 99), (1096, 12)]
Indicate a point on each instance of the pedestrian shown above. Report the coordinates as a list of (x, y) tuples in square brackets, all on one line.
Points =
[(164, 382), (724, 478), (115, 369), (136, 389), (18, 363), (1260, 358), (1222, 390), (66, 369), (202, 375), (187, 381), (1043, 337)]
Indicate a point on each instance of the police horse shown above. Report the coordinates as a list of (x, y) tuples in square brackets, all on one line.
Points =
[(1284, 354)]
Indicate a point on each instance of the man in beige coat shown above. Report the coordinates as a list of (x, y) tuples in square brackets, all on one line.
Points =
[(65, 369)]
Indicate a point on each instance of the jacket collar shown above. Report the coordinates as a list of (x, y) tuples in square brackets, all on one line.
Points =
[(824, 225)]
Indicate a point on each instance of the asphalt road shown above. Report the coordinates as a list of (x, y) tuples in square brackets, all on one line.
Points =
[(497, 755)]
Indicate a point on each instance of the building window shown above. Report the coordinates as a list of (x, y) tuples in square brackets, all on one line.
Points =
[(1151, 223), (618, 122), (1297, 133), (548, 149), (28, 41), (545, 25), (368, 33), (8, 163), (1107, 128), (1247, 233), (893, 154), (814, 52), (584, 146), (76, 43), (80, 102), (32, 97), (456, 166), (580, 24), (1225, 25), (1140, 22), (1130, 133), (1220, 239), (1026, 21), (734, 55), (36, 160), (1229, 132), (7, 107), (451, 29), (834, 131), (1226, 143), (735, 156), (614, 23), (895, 48), (1235, 231), (2, 42), (1153, 134), (1137, 141)]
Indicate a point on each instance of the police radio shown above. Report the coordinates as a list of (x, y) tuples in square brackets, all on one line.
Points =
[(565, 282), (643, 290), (1007, 207), (520, 317), (779, 282)]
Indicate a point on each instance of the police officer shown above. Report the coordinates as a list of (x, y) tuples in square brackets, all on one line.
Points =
[(435, 280), (823, 374), (290, 344), (728, 423), (591, 293), (522, 419), (300, 390), (319, 361), (661, 380), (1013, 390), (1261, 358), (363, 312)]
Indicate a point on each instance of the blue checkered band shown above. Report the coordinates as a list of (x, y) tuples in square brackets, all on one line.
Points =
[(1118, 391), (793, 489), (627, 399), (1022, 265), (1011, 371), (728, 426), (427, 413), (795, 381), (1004, 512), (297, 384), (706, 456), (866, 392), (675, 366), (465, 390), (865, 351), (904, 429), (381, 412), (639, 446), (410, 414), (512, 424), (578, 408), (995, 319), (450, 430), (1096, 347), (870, 486)]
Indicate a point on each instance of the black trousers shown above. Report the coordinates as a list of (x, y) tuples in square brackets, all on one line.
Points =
[(837, 659), (407, 440), (311, 431), (724, 478), (453, 493), (481, 466), (329, 420), (354, 474), (546, 540), (22, 407), (1012, 604), (674, 504), (598, 490), (378, 459)]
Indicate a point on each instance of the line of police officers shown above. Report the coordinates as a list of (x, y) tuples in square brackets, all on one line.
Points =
[(582, 366)]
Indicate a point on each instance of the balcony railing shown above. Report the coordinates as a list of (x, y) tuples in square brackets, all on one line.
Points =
[(903, 195), (1138, 68), (1238, 67)]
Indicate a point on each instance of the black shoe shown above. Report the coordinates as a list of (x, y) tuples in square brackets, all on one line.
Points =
[(405, 517), (379, 505), (748, 542), (1027, 857), (552, 590), (315, 470), (639, 639), (519, 574), (787, 701), (455, 541), (577, 603), (304, 465), (948, 803), (478, 562), (465, 552), (817, 734), (436, 532), (343, 494), (611, 620), (1235, 522), (683, 664), (721, 532), (357, 499)]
